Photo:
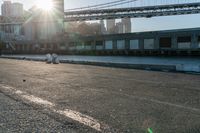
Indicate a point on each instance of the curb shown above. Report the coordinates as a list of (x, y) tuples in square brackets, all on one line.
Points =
[(165, 68)]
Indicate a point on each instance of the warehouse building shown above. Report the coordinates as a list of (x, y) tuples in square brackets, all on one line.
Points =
[(185, 41)]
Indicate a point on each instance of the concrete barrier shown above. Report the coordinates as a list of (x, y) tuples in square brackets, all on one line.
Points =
[(171, 68), (187, 68), (166, 68)]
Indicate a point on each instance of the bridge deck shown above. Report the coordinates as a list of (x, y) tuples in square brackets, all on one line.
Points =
[(134, 12)]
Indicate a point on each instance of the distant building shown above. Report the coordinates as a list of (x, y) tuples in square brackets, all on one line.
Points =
[(59, 6), (6, 8), (17, 10), (103, 28), (119, 27), (126, 25), (110, 24), (32, 25), (9, 9)]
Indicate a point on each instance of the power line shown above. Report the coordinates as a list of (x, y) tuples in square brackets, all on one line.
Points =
[(125, 2), (117, 2)]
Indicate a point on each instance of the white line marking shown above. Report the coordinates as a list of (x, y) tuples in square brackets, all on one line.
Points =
[(84, 119), (165, 103), (74, 115), (37, 100)]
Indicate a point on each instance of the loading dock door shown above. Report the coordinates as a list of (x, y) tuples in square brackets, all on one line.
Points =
[(120, 44), (165, 42), (184, 42), (88, 45), (99, 45), (148, 43), (134, 44), (108, 45), (72, 46), (79, 46)]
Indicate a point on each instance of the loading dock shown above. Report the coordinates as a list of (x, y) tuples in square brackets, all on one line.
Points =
[(148, 43), (72, 46), (165, 42), (120, 44), (88, 45), (184, 42), (108, 45), (79, 46), (99, 45), (134, 44)]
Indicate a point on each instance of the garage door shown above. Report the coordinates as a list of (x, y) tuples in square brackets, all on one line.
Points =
[(148, 43), (165, 42), (134, 44), (108, 45), (184, 42)]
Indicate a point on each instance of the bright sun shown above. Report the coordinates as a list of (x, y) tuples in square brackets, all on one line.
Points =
[(46, 5)]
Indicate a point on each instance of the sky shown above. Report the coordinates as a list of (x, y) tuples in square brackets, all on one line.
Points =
[(139, 24)]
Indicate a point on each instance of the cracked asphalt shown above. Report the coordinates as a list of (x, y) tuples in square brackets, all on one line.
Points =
[(128, 101)]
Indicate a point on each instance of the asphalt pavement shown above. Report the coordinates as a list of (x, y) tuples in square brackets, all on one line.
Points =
[(122, 100)]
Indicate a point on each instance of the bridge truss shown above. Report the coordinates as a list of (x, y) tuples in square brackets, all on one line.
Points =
[(133, 12)]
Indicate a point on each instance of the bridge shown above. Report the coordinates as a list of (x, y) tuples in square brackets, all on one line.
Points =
[(80, 14)]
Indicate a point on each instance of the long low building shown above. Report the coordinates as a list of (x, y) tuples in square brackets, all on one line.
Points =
[(168, 42), (159, 42)]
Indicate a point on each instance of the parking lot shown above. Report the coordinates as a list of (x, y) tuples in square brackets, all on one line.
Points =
[(123, 100)]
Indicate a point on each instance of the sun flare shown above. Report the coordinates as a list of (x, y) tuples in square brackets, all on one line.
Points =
[(46, 5)]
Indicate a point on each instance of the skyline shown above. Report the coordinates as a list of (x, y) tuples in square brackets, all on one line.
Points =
[(138, 24)]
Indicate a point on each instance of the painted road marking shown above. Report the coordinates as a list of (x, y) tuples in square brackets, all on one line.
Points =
[(82, 118), (37, 100), (74, 115), (165, 103)]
